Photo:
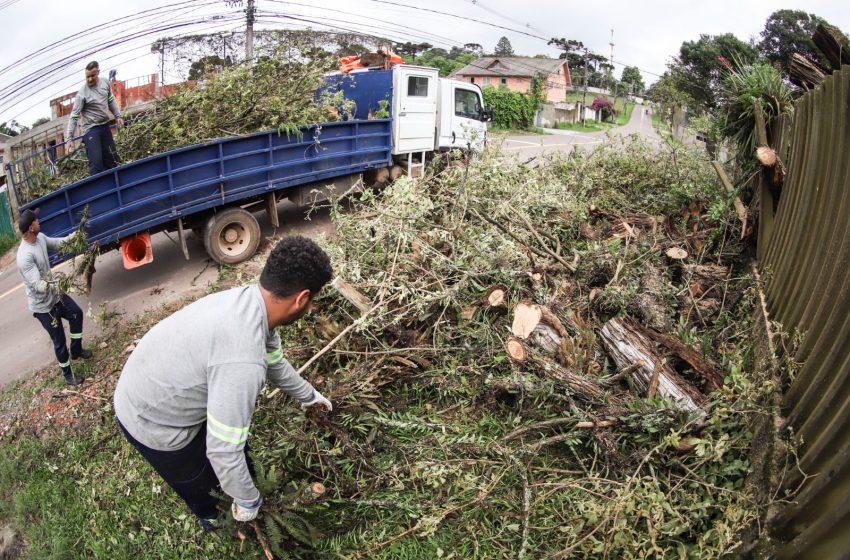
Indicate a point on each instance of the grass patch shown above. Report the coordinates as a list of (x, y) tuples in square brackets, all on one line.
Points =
[(500, 131), (7, 241)]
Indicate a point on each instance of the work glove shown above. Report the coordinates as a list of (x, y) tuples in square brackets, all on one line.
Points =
[(317, 398), (246, 511)]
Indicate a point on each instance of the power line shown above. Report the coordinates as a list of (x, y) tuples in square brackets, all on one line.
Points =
[(21, 87)]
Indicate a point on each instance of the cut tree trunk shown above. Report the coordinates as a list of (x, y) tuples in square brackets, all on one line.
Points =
[(496, 297), (693, 357), (805, 73), (832, 44), (627, 345), (538, 326)]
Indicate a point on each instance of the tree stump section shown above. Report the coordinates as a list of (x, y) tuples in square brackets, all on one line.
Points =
[(627, 346)]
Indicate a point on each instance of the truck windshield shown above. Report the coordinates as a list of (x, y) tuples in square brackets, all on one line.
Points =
[(467, 104)]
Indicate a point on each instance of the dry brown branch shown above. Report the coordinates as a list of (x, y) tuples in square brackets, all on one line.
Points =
[(262, 540), (692, 356), (352, 294)]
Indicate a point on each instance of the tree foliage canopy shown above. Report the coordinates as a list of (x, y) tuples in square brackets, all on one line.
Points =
[(632, 75), (504, 47), (787, 32), (698, 70)]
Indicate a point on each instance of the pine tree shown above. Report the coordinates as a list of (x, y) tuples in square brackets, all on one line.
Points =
[(504, 48)]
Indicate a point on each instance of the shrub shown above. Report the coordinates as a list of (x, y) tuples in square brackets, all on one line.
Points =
[(604, 104)]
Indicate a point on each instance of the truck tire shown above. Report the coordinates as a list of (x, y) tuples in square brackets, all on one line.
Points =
[(232, 236)]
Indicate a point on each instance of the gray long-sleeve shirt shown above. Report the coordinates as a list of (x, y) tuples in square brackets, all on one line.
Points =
[(34, 266), (206, 364), (90, 108)]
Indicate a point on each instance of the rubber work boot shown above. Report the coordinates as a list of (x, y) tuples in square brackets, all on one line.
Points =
[(209, 525), (84, 354), (73, 380)]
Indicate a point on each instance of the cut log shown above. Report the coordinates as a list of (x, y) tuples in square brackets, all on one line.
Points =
[(627, 345), (833, 44), (516, 349), (497, 296), (693, 357), (467, 313), (805, 73), (527, 316), (584, 386), (352, 294), (542, 329), (677, 253), (648, 303), (766, 156), (546, 338)]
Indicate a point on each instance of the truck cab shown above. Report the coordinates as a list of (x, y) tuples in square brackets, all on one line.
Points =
[(429, 114), (435, 114)]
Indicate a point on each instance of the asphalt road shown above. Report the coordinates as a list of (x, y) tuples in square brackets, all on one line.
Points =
[(25, 345), (529, 146)]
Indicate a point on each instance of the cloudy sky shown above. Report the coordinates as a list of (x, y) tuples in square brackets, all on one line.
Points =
[(45, 44)]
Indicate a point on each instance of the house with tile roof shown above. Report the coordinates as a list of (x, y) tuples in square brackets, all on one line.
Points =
[(516, 72)]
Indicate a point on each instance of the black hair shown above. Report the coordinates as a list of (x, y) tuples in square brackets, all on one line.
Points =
[(92, 65), (296, 263)]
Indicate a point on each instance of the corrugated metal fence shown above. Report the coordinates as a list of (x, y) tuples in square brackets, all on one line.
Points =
[(805, 256)]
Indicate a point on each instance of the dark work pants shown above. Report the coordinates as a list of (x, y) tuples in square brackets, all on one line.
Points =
[(52, 322), (100, 149), (188, 471)]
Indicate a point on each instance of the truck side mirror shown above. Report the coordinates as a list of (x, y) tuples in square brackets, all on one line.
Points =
[(487, 114)]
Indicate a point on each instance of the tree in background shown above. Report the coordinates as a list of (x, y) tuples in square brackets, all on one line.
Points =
[(40, 121), (632, 76), (411, 49), (666, 94), (574, 54), (504, 48), (699, 72), (446, 62), (473, 48), (12, 128), (787, 32), (208, 65)]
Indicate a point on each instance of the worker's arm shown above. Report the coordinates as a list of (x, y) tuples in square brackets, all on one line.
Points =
[(54, 242), (232, 391), (282, 374), (79, 103), (32, 276), (113, 106)]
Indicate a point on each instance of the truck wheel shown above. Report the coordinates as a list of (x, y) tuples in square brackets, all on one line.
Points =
[(232, 236)]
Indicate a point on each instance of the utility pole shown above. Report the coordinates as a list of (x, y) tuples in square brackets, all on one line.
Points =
[(161, 81), (611, 60), (584, 96), (249, 32)]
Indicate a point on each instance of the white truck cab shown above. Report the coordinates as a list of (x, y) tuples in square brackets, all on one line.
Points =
[(432, 114)]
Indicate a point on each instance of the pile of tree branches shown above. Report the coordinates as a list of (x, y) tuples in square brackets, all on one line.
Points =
[(276, 92), (485, 408)]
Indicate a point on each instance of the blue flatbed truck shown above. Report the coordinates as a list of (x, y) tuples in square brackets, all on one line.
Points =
[(213, 188)]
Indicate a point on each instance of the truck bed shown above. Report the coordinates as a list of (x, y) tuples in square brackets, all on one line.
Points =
[(151, 193)]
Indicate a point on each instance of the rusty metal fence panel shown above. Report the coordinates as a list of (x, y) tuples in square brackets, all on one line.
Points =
[(805, 255)]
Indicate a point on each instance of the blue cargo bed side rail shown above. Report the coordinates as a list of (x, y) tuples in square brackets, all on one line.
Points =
[(153, 192)]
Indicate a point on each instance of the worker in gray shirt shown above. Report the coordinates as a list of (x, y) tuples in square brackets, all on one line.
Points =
[(49, 307), (187, 393), (92, 108)]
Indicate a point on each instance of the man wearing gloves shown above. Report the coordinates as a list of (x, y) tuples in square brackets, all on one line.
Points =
[(92, 109), (187, 393), (46, 305)]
